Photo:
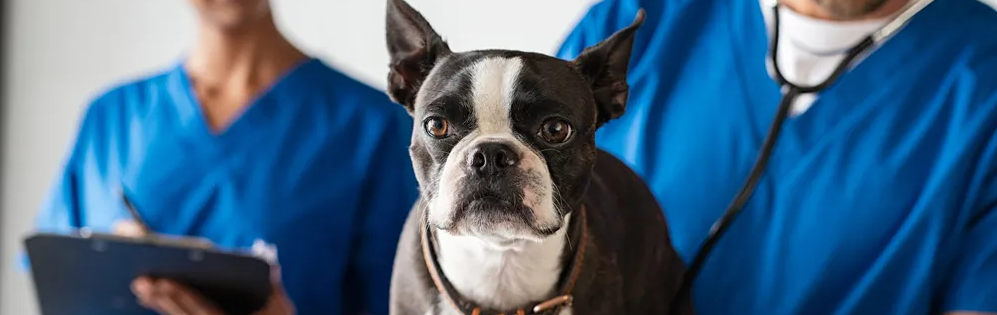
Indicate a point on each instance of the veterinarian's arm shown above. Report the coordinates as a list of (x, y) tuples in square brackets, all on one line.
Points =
[(605, 18), (388, 195), (60, 211), (971, 286), (972, 290)]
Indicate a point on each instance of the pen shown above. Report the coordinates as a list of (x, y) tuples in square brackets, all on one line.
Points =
[(134, 213), (149, 236)]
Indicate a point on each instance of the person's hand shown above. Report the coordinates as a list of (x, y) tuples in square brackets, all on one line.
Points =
[(170, 298), (127, 228)]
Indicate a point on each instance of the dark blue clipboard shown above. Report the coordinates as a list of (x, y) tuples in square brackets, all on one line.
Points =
[(91, 274)]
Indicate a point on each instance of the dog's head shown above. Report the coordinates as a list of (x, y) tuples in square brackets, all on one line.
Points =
[(503, 145)]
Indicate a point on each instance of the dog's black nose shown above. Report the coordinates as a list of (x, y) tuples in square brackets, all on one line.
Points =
[(490, 158)]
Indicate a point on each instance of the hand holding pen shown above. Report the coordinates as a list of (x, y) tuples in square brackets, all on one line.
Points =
[(169, 297), (136, 227)]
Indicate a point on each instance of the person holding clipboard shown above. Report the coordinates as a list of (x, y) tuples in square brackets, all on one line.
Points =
[(170, 297), (248, 139)]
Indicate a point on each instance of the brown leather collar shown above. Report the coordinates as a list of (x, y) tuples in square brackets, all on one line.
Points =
[(548, 307)]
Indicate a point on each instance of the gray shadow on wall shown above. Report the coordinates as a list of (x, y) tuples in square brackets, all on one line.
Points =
[(3, 106)]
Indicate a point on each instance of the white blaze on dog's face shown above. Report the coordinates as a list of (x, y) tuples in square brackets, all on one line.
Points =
[(492, 184), (503, 141)]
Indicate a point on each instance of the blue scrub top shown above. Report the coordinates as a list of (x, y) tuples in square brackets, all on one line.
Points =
[(317, 165), (880, 199)]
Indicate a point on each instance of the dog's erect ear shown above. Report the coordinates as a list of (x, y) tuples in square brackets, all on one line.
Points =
[(414, 48), (605, 67)]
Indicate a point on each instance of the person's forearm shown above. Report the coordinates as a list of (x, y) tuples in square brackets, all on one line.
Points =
[(969, 313)]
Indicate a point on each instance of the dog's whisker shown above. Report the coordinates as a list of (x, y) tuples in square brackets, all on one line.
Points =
[(559, 202)]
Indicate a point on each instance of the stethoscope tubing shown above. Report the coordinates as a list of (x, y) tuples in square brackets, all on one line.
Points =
[(790, 92)]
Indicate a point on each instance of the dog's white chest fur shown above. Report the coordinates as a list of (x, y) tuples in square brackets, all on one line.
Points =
[(502, 278)]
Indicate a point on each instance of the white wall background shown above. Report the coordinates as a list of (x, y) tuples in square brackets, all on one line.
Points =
[(62, 52)]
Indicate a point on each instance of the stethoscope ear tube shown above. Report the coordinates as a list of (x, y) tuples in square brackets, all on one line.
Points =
[(791, 92)]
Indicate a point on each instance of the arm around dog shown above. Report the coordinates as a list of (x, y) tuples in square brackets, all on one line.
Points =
[(389, 191), (970, 287)]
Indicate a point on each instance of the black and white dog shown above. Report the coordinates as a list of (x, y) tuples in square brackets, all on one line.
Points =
[(520, 213)]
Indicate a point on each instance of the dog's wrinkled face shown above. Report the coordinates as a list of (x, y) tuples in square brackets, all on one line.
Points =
[(503, 144), (493, 136)]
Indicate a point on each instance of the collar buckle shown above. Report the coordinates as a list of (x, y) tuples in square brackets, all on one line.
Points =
[(558, 301)]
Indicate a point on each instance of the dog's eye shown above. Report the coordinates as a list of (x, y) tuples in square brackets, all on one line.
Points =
[(555, 131), (437, 127)]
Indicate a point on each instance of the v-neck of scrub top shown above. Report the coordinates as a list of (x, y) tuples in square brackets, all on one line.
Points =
[(246, 125), (808, 60), (835, 110)]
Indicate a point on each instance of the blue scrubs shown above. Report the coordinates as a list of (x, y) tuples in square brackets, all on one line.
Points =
[(880, 199), (317, 165)]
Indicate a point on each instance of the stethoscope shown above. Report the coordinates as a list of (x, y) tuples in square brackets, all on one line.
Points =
[(790, 92)]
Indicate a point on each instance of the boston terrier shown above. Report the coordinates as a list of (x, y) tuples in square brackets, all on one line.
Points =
[(519, 212)]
